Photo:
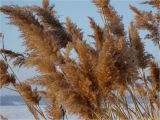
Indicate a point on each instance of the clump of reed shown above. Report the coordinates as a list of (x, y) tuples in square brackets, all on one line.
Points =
[(107, 81), (5, 77)]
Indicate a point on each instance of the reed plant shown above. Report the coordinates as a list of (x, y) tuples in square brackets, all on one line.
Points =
[(107, 80)]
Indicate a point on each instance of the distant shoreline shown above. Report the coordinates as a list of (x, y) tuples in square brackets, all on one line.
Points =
[(15, 100)]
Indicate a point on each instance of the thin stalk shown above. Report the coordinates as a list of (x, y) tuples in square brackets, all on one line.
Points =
[(146, 86), (126, 105), (135, 103), (10, 89)]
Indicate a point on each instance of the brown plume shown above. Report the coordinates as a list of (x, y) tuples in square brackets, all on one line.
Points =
[(45, 3)]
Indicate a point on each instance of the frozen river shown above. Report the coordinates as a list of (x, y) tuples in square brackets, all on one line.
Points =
[(20, 112), (16, 112)]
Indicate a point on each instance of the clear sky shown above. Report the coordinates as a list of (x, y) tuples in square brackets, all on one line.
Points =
[(78, 10)]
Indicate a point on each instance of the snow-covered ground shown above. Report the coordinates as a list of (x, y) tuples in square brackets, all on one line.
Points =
[(20, 112), (16, 112)]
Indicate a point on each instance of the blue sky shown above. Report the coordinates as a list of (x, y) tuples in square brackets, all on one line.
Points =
[(78, 11)]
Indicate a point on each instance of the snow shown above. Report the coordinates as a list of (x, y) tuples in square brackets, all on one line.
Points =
[(20, 112), (16, 112)]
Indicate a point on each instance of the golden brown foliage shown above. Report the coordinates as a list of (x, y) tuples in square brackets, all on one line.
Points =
[(73, 30), (5, 77), (142, 57), (19, 59), (45, 3), (98, 33), (149, 21), (29, 95), (155, 75), (112, 20), (101, 82)]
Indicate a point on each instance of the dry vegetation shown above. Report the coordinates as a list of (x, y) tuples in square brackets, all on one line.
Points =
[(107, 81)]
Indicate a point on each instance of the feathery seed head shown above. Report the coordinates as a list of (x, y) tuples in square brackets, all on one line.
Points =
[(3, 67), (45, 3)]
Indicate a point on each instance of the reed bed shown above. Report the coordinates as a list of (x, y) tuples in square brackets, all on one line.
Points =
[(107, 81)]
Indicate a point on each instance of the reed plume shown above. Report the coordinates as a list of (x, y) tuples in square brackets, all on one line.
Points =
[(29, 95), (5, 77), (149, 21), (19, 59), (155, 75), (142, 56), (98, 33), (112, 20), (45, 3), (74, 31)]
